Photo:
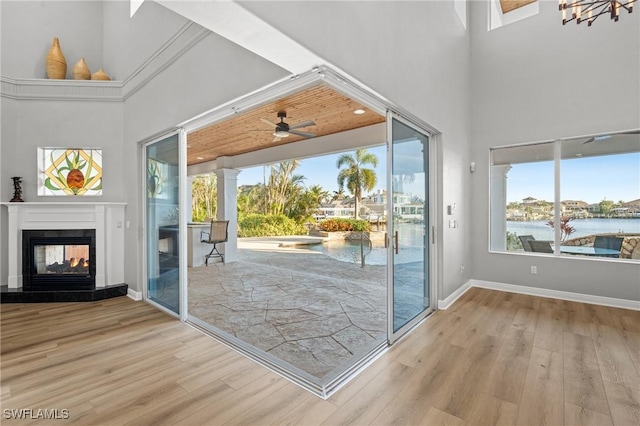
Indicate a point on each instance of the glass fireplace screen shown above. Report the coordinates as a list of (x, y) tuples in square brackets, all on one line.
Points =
[(61, 259)]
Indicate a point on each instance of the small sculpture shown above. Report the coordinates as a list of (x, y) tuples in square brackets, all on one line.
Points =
[(17, 190)]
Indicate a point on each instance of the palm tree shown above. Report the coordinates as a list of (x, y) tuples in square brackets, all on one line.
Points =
[(338, 195), (355, 176)]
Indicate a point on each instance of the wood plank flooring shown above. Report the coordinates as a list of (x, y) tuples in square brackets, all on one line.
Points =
[(492, 358)]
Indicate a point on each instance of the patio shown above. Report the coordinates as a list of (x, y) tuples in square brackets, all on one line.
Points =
[(298, 305)]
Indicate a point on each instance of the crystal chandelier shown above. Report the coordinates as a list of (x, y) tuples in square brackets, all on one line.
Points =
[(589, 10)]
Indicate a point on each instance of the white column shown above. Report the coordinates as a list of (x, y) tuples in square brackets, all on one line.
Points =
[(14, 249), (498, 212), (227, 183), (101, 249)]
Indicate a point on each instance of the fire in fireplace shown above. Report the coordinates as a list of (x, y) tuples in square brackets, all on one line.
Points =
[(58, 259)]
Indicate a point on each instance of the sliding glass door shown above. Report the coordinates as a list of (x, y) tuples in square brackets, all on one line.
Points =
[(409, 226), (162, 180)]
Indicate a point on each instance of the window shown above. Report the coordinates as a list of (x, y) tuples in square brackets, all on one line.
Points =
[(574, 197), (505, 12)]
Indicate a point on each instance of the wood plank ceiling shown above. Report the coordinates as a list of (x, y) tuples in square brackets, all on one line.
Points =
[(332, 112), (509, 5)]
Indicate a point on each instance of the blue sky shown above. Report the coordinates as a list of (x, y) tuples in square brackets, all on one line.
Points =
[(592, 179), (320, 171)]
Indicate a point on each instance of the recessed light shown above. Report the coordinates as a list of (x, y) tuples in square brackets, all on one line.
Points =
[(358, 111), (200, 158)]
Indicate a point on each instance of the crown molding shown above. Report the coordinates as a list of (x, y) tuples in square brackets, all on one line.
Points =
[(106, 91), (179, 44)]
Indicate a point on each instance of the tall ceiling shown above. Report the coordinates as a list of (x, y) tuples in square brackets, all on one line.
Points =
[(332, 112)]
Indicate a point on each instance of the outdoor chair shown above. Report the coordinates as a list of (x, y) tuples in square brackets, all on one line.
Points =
[(524, 239), (540, 246), (607, 242), (218, 233)]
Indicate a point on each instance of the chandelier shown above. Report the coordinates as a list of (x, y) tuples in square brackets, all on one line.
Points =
[(589, 10)]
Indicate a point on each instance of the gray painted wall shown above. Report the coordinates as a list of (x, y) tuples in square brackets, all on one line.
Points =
[(28, 29), (130, 41), (538, 80)]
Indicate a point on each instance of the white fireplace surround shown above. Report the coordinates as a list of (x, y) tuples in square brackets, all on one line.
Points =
[(106, 218)]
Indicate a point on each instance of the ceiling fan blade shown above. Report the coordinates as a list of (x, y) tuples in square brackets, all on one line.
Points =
[(268, 122), (303, 124), (305, 134)]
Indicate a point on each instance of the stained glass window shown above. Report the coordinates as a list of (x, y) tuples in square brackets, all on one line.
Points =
[(70, 171)]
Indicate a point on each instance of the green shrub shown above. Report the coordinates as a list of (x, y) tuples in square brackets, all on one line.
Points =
[(344, 225), (260, 225)]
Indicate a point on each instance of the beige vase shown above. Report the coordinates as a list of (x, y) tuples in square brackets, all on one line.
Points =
[(81, 70), (56, 63), (100, 75)]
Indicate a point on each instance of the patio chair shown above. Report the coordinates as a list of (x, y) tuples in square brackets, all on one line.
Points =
[(613, 243), (218, 233), (524, 239), (540, 246)]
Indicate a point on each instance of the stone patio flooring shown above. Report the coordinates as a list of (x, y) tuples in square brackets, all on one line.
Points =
[(298, 305)]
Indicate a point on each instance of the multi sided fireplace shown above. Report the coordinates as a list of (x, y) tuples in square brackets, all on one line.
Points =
[(60, 259)]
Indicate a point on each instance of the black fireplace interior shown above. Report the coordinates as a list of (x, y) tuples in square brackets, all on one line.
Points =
[(54, 260)]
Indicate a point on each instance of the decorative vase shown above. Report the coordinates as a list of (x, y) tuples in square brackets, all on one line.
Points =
[(56, 63), (100, 75), (17, 190), (81, 70)]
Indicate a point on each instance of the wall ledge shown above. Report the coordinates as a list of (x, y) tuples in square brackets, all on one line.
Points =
[(106, 91)]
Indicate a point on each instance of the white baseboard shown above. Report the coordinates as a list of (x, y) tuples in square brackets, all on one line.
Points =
[(446, 303), (557, 294), (135, 295), (541, 292)]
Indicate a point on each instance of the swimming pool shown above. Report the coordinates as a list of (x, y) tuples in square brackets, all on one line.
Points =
[(349, 251)]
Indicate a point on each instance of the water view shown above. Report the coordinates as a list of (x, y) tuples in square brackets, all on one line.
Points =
[(410, 250), (583, 227)]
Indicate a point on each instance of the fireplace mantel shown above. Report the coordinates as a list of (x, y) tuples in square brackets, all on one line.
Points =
[(107, 218)]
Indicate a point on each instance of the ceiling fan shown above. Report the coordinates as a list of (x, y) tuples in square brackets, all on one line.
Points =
[(283, 130)]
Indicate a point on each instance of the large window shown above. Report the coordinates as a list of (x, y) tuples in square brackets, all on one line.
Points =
[(574, 197)]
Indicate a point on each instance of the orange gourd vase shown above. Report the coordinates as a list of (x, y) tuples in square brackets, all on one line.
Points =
[(81, 70), (56, 63)]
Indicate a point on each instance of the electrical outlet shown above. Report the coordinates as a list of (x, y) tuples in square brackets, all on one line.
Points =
[(462, 269), (534, 269)]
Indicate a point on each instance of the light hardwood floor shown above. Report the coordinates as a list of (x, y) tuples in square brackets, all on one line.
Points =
[(492, 358)]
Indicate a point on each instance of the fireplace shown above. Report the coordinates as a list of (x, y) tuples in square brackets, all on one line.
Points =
[(59, 259)]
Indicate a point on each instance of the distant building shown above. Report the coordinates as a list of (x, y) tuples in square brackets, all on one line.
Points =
[(529, 200)]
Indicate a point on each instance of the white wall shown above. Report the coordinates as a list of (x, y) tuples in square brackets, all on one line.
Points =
[(130, 41), (538, 80), (28, 29), (415, 54)]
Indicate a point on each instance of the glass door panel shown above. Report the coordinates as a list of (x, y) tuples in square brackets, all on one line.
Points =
[(162, 217), (409, 294)]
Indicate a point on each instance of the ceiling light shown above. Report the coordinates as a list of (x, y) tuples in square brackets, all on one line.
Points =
[(358, 111), (281, 134), (589, 10), (200, 158)]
